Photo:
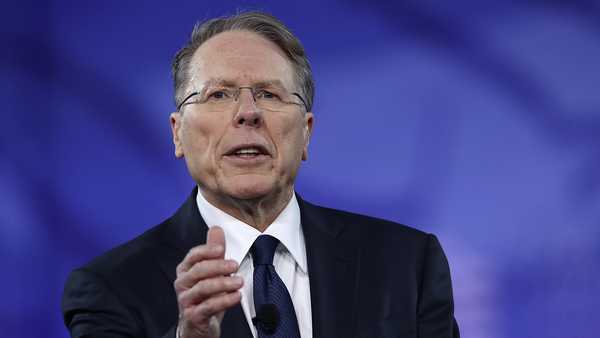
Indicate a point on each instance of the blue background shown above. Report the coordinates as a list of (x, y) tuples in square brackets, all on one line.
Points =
[(478, 121)]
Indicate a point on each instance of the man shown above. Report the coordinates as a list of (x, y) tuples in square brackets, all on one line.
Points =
[(245, 256)]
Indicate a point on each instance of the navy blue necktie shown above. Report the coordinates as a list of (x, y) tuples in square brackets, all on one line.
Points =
[(275, 315)]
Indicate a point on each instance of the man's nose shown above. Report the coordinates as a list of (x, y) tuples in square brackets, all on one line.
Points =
[(248, 114)]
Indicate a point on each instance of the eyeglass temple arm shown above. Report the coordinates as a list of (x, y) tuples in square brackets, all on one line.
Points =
[(185, 100), (301, 99)]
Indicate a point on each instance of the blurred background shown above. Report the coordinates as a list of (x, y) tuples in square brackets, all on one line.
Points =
[(478, 121)]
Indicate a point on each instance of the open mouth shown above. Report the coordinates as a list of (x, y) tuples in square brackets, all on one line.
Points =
[(248, 151)]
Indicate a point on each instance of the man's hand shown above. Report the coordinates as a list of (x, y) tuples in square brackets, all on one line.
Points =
[(205, 287)]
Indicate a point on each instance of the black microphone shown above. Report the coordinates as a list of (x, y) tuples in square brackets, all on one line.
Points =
[(267, 318)]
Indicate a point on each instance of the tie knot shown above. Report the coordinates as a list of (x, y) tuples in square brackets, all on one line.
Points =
[(263, 250)]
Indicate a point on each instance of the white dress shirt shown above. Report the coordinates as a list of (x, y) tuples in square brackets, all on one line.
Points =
[(289, 261)]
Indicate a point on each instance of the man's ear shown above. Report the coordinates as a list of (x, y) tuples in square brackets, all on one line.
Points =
[(175, 120), (308, 126)]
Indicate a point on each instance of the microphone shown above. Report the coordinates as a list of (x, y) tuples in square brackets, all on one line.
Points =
[(267, 318)]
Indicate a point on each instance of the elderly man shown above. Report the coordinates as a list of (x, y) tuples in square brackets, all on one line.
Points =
[(245, 256)]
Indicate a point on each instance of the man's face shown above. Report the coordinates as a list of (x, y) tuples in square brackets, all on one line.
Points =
[(245, 152)]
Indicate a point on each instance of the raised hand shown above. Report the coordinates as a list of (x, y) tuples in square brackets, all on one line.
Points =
[(205, 287)]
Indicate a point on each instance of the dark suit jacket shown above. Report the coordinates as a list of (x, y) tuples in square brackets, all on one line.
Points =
[(368, 278)]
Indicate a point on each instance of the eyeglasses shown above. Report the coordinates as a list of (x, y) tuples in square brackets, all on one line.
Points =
[(221, 99)]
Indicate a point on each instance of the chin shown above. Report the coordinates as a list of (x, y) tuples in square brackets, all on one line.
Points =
[(250, 187)]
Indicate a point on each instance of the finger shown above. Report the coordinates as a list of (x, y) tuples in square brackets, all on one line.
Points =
[(211, 268), (215, 236), (214, 248), (203, 270), (209, 288), (198, 254), (200, 314)]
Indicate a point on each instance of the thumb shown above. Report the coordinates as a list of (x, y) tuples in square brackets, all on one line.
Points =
[(216, 236)]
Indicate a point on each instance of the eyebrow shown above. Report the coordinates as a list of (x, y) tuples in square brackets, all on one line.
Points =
[(220, 82)]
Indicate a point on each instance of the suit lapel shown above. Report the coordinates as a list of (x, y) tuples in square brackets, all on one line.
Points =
[(333, 271), (234, 324), (185, 230)]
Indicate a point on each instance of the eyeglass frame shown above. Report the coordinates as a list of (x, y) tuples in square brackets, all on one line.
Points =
[(237, 95)]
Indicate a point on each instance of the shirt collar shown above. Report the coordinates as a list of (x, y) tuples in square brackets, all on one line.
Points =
[(239, 236)]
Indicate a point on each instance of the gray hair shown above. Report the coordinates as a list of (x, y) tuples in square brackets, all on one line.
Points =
[(261, 23)]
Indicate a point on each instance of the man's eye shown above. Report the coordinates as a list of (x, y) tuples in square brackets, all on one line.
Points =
[(218, 95), (265, 94)]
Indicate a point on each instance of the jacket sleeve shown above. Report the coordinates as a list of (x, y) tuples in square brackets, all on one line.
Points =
[(436, 305), (92, 310)]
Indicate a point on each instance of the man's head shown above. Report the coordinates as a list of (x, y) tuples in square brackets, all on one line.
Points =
[(244, 91), (263, 24)]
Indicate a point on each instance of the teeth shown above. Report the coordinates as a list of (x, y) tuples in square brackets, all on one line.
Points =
[(247, 151)]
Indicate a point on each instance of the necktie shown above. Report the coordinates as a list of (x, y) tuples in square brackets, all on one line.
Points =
[(272, 301)]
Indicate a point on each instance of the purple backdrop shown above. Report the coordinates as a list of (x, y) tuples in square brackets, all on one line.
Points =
[(475, 120)]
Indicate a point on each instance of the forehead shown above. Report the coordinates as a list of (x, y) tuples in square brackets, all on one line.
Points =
[(240, 57)]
